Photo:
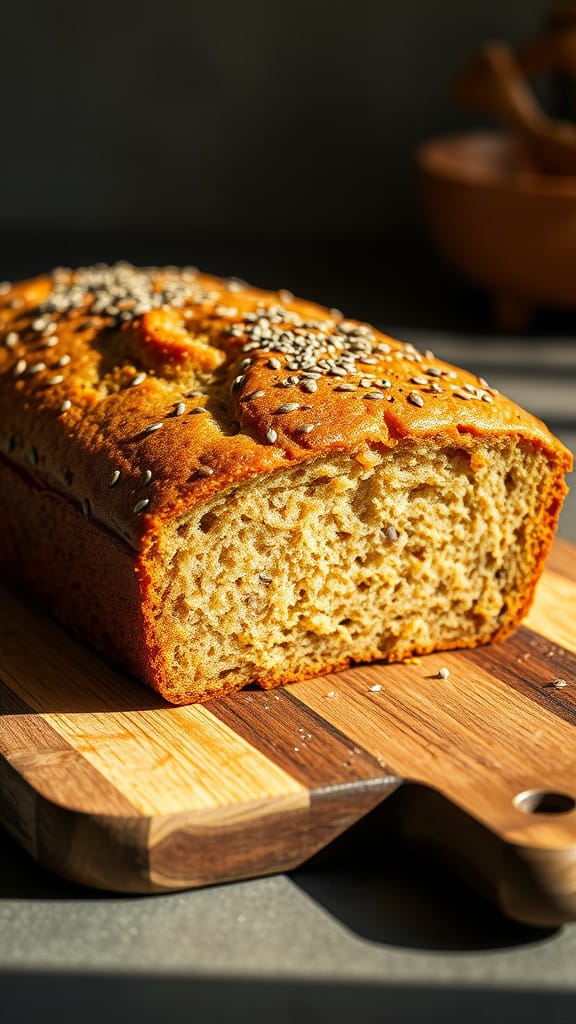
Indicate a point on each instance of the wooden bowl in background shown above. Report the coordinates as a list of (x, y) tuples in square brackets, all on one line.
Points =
[(503, 226)]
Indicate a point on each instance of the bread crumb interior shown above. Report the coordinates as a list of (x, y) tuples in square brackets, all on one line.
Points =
[(343, 559)]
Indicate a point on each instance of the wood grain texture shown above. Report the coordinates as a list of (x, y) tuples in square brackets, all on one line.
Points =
[(554, 612), (561, 559), (108, 785)]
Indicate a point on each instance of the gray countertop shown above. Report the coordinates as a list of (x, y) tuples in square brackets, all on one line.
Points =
[(372, 931), (399, 940)]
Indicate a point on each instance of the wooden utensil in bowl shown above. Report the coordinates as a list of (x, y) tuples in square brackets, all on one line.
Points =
[(494, 83), (502, 205)]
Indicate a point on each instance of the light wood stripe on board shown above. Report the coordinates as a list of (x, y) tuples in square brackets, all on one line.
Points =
[(561, 559), (553, 613), (178, 759), (52, 766)]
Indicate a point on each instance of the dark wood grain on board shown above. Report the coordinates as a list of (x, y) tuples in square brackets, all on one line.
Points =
[(283, 728), (256, 842), (531, 664)]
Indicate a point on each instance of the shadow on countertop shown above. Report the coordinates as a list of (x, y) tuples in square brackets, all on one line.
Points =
[(92, 998), (378, 886), (390, 891)]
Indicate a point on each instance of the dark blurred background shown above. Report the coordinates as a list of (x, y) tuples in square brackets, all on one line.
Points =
[(268, 139)]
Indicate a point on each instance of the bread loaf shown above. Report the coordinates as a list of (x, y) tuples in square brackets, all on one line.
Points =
[(218, 486)]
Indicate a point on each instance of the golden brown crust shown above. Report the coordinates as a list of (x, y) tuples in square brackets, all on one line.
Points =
[(80, 390), (130, 396)]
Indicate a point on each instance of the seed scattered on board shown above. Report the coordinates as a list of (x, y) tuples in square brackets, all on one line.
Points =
[(443, 673)]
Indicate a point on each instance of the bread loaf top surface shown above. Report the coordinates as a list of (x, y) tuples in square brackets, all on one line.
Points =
[(140, 392)]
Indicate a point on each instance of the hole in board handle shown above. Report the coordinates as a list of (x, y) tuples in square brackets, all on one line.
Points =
[(539, 801)]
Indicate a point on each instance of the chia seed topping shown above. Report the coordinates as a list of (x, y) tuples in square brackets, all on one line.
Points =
[(416, 399), (327, 347), (36, 368), (253, 395), (120, 292)]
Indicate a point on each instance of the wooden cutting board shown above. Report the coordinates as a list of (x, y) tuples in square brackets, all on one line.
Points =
[(107, 785)]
